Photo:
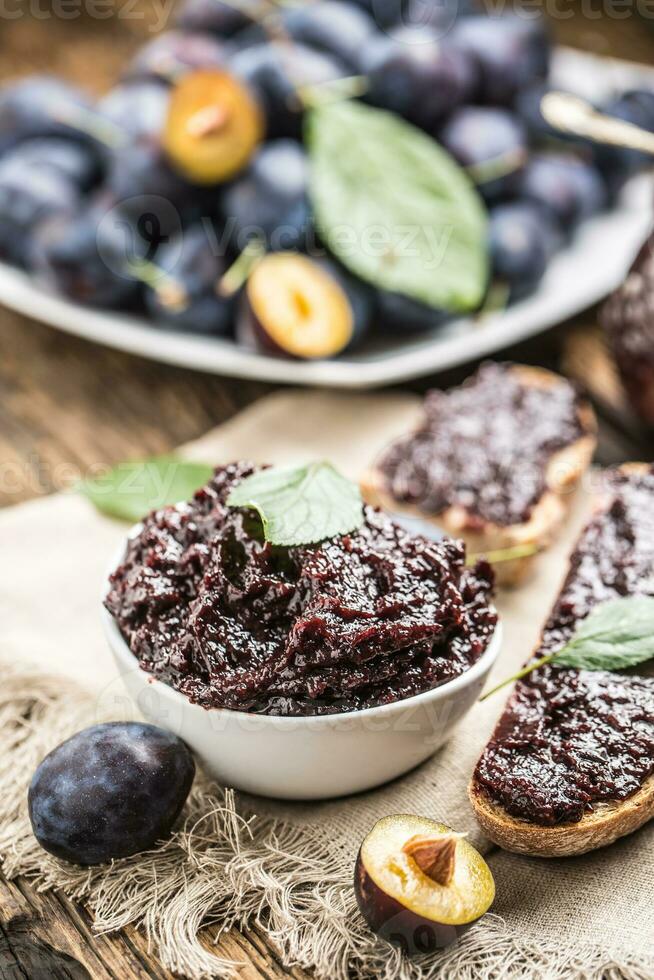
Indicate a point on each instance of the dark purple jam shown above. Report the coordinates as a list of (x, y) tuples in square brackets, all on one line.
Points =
[(628, 319), (484, 446), (569, 739), (356, 621)]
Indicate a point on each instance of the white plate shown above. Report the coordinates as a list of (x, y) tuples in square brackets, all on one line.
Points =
[(577, 277)]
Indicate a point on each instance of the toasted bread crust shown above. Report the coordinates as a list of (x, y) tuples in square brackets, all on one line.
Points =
[(564, 471), (603, 825)]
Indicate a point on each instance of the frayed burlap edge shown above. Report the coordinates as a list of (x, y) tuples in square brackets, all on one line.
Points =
[(225, 866)]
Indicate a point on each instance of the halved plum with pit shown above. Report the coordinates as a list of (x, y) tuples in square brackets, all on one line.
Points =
[(304, 308), (420, 885), (213, 127)]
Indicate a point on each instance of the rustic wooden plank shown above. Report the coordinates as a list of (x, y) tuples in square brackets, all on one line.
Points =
[(237, 947), (46, 934), (67, 406), (126, 953), (260, 941), (41, 941)]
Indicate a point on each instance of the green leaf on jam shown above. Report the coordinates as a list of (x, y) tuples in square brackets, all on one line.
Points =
[(301, 504), (395, 208), (615, 635), (131, 490)]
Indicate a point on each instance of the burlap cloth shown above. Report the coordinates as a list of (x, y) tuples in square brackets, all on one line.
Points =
[(291, 867)]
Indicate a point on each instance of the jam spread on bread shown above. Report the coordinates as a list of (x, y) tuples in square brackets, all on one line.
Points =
[(484, 446), (570, 739), (360, 620)]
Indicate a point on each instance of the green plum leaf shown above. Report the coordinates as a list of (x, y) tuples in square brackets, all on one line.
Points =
[(132, 489), (301, 504), (395, 208)]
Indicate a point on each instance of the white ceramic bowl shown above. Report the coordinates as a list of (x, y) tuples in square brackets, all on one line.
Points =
[(307, 758)]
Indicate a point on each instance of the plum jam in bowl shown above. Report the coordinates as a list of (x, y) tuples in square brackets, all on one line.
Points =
[(307, 672)]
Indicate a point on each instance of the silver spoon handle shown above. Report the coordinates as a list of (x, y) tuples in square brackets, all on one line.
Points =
[(573, 115)]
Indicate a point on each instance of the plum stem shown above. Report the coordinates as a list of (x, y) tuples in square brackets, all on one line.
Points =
[(92, 123), (240, 270), (504, 554), (435, 856), (497, 167), (334, 90), (172, 295), (522, 673), (171, 292)]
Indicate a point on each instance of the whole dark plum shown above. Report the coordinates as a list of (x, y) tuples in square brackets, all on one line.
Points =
[(439, 15), (618, 163), (186, 297), (527, 108), (141, 167), (248, 37), (385, 13), (270, 199), (87, 256), (274, 71), (512, 51), (415, 74), (172, 54), (491, 143), (563, 186), (361, 298), (77, 162), (522, 240), (223, 19), (137, 107), (43, 106), (334, 28), (28, 196), (142, 184), (109, 791), (401, 314)]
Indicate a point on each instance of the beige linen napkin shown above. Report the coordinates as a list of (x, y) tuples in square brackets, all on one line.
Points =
[(587, 917)]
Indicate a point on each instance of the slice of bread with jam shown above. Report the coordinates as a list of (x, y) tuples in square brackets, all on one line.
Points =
[(494, 461), (570, 765)]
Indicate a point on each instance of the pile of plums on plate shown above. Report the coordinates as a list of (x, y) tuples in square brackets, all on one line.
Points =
[(184, 193)]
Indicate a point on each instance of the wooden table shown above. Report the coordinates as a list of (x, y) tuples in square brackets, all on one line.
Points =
[(66, 405)]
